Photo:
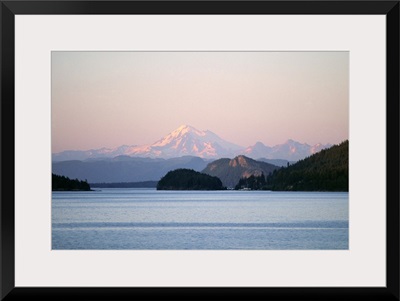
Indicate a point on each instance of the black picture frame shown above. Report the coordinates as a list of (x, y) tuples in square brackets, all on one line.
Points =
[(11, 8)]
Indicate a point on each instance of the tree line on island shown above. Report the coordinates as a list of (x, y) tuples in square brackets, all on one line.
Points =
[(188, 179), (62, 183)]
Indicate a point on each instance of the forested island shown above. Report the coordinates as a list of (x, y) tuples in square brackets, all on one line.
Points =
[(327, 170), (188, 179), (62, 183)]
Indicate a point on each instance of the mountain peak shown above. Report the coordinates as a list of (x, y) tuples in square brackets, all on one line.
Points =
[(240, 161), (185, 127)]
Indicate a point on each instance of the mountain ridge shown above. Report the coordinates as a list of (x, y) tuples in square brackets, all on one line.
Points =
[(230, 171), (187, 140)]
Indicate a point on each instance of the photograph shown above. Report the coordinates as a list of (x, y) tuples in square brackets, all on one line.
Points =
[(187, 150), (200, 150)]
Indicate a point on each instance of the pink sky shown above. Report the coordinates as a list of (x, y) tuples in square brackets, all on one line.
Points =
[(108, 99)]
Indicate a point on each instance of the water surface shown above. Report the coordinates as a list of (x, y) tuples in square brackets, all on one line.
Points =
[(147, 219)]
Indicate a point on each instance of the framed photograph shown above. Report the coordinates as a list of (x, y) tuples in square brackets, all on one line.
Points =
[(200, 150)]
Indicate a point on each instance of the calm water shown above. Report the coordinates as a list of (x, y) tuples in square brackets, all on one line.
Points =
[(117, 219)]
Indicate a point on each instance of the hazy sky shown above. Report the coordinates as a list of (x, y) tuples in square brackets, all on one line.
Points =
[(107, 99)]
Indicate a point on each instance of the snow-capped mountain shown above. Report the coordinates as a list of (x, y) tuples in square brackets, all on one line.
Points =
[(184, 141), (258, 150), (188, 141), (290, 150)]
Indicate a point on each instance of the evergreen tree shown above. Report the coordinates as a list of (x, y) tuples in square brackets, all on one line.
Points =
[(252, 182)]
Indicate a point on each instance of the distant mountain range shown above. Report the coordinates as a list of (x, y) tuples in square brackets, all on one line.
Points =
[(124, 168), (230, 171), (290, 150), (188, 141)]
